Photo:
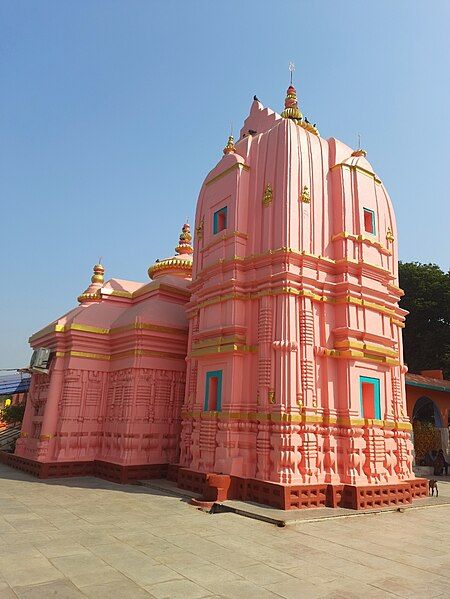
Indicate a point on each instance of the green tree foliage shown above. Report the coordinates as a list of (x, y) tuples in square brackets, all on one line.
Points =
[(12, 414), (426, 336)]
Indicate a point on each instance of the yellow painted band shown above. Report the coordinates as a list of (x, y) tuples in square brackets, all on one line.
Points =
[(295, 419)]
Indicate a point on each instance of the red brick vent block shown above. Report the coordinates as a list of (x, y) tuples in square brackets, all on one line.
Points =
[(266, 493), (419, 488), (282, 497), (66, 469), (191, 481), (307, 496), (334, 495), (376, 496), (47, 469), (238, 489), (130, 473), (288, 497), (172, 472), (117, 473)]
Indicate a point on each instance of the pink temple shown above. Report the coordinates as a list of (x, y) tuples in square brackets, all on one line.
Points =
[(290, 330)]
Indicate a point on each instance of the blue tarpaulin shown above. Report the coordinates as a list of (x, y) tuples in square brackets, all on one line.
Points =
[(16, 382)]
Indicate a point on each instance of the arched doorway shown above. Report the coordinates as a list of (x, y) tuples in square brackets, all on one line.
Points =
[(427, 426)]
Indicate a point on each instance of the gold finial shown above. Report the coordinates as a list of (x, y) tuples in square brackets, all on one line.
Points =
[(179, 265), (92, 293), (229, 148), (184, 246), (291, 109), (359, 151), (99, 271)]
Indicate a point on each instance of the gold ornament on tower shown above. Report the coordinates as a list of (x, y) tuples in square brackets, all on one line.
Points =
[(229, 148), (199, 228), (268, 195), (390, 236), (306, 196)]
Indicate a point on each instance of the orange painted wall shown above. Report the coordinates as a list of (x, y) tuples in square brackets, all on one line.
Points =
[(440, 398)]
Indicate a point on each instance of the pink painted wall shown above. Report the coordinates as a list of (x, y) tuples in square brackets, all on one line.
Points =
[(302, 287), (114, 395)]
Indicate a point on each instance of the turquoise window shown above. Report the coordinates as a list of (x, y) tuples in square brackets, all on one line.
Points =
[(369, 221), (370, 397), (213, 391), (220, 220)]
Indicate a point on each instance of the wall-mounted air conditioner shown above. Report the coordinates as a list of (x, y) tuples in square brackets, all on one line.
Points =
[(40, 360)]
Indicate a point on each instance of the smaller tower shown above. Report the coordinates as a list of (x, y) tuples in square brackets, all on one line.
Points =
[(179, 265), (91, 294)]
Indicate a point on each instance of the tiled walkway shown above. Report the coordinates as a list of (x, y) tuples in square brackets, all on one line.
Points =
[(86, 537)]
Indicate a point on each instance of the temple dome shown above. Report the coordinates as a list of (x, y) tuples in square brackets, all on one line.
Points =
[(91, 293), (360, 161), (179, 265)]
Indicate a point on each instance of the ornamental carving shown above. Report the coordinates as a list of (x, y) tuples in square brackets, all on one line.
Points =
[(268, 195), (306, 196), (285, 345), (390, 236), (199, 228)]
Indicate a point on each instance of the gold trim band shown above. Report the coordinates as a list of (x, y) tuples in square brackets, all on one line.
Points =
[(366, 347), (121, 355), (348, 299), (245, 167), (296, 418), (84, 328), (359, 169), (223, 349), (362, 239)]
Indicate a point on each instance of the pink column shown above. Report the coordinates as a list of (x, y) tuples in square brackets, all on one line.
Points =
[(27, 422), (50, 420)]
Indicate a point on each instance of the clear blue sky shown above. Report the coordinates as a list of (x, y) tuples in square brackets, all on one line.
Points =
[(112, 112)]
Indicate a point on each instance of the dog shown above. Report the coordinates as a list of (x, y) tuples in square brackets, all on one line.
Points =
[(432, 485)]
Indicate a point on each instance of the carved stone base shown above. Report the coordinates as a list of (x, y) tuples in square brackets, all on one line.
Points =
[(117, 473), (287, 497), (284, 497)]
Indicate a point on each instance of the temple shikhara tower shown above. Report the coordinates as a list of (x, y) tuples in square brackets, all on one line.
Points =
[(269, 352)]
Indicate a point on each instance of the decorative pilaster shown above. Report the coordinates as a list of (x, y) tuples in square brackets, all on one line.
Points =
[(308, 396), (265, 350), (263, 450), (50, 420)]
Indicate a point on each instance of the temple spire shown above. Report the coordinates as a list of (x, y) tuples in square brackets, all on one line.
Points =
[(97, 280), (229, 148), (179, 265), (99, 271), (184, 245), (291, 109), (359, 151)]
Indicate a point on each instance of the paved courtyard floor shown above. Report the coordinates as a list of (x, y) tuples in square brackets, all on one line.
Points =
[(85, 537)]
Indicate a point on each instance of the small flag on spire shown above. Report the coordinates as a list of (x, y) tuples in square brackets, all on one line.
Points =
[(291, 69)]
